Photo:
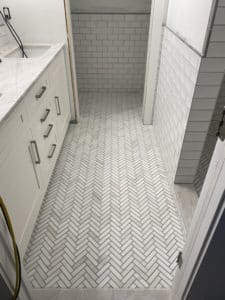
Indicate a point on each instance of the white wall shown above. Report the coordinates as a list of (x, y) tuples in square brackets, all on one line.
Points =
[(204, 103), (38, 21), (5, 38), (110, 51), (189, 18), (110, 5), (178, 73)]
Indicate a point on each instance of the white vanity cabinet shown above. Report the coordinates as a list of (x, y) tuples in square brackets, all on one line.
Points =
[(60, 95), (18, 182), (31, 139)]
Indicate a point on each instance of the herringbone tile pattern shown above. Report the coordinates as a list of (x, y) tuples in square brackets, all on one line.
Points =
[(109, 218)]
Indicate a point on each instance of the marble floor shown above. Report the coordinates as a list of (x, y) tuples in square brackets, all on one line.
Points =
[(99, 294), (109, 219)]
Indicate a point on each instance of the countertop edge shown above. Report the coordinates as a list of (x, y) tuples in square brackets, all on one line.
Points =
[(21, 96)]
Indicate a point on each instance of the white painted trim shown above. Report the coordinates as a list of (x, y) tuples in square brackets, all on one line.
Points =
[(157, 18), (203, 224), (72, 59), (9, 262)]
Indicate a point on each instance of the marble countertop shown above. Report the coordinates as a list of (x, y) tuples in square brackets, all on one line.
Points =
[(17, 75)]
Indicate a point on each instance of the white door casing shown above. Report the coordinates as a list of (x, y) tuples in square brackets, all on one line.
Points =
[(205, 219), (157, 18), (71, 59)]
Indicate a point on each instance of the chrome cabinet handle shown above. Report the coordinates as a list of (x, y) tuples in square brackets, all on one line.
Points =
[(52, 151), (38, 159), (58, 108), (43, 89), (50, 126), (44, 118)]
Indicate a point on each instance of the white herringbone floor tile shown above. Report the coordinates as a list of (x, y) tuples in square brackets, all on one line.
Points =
[(109, 218)]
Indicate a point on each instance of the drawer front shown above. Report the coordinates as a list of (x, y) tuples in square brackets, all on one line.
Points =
[(42, 118), (38, 94), (48, 156), (44, 133), (44, 127), (60, 99), (14, 127)]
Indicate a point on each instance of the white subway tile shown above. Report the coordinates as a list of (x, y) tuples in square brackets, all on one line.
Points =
[(210, 78), (206, 91), (212, 65), (103, 46), (179, 66), (218, 34), (200, 115), (186, 171), (188, 163), (184, 179), (221, 2), (197, 126), (220, 16), (203, 103), (192, 146), (216, 49), (195, 136), (190, 155)]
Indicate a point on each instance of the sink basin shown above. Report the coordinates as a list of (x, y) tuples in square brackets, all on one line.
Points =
[(31, 51)]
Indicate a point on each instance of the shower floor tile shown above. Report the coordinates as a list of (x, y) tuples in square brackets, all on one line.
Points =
[(109, 218)]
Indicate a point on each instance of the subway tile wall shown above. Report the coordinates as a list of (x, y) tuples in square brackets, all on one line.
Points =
[(110, 51), (210, 141), (207, 103), (178, 73)]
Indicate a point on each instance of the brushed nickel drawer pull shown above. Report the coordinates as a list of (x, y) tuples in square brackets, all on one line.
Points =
[(52, 151), (43, 89), (37, 160), (58, 108), (44, 118), (50, 126)]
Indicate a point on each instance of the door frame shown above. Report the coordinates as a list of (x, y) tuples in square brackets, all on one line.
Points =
[(71, 62), (206, 217), (157, 20)]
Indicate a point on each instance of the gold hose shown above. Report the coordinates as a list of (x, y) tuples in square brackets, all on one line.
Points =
[(15, 249)]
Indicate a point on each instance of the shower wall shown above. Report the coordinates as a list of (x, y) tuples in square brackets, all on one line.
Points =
[(110, 50), (206, 103), (187, 100), (210, 142), (178, 73)]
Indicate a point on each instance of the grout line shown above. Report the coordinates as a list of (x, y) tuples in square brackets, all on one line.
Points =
[(183, 40), (217, 42), (211, 72), (207, 85), (108, 13)]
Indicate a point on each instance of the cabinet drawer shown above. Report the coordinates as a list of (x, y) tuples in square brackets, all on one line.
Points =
[(18, 185), (14, 128), (48, 155), (44, 131), (38, 94), (42, 118)]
